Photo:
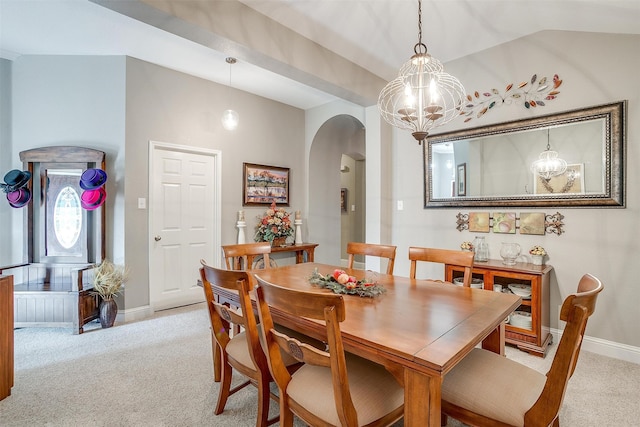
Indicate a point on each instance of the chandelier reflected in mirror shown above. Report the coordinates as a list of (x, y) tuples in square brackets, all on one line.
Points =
[(548, 164), (423, 96)]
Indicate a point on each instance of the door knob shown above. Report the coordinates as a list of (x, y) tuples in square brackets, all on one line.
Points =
[(157, 238)]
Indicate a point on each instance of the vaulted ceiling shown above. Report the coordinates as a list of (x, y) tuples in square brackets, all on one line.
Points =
[(375, 35)]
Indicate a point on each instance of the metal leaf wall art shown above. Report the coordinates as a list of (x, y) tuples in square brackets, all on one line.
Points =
[(531, 94)]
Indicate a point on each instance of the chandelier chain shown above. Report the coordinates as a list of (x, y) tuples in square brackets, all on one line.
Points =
[(420, 48)]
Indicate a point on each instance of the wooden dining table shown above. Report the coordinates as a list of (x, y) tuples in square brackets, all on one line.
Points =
[(418, 329)]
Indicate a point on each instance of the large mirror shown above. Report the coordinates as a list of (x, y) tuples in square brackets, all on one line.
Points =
[(491, 166)]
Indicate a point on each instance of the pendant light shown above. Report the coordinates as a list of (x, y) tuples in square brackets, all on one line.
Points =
[(230, 118), (548, 164), (423, 96)]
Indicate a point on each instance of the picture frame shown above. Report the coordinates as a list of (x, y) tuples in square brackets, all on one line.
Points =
[(479, 222), (532, 223), (343, 200), (504, 222), (461, 179), (262, 184)]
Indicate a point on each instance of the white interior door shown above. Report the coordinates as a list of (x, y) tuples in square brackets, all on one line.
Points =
[(184, 221)]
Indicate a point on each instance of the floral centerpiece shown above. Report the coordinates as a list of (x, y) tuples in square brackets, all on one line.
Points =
[(274, 226), (466, 246), (340, 282), (537, 250)]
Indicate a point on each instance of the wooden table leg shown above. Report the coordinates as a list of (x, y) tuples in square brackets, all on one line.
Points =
[(495, 340), (310, 253), (422, 399)]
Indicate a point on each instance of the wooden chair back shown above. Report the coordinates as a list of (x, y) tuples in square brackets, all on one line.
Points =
[(326, 307), (576, 310), (443, 256), (372, 249), (225, 318), (242, 256)]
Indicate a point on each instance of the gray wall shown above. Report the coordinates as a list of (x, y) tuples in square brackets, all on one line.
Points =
[(595, 69), (168, 106), (6, 214), (119, 104)]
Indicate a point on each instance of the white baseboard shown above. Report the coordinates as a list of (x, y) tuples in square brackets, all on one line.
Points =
[(605, 348), (134, 314)]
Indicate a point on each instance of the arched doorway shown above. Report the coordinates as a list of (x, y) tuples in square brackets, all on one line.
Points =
[(340, 141)]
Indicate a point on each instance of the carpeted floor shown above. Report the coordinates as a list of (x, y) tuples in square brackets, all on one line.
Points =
[(158, 372)]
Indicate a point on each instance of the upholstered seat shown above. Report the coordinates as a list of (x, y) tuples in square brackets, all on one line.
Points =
[(443, 256), (363, 392), (486, 389), (371, 249)]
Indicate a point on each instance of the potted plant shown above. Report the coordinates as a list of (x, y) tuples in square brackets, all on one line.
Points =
[(108, 281), (537, 255)]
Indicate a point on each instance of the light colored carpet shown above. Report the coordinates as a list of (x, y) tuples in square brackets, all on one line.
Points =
[(158, 372)]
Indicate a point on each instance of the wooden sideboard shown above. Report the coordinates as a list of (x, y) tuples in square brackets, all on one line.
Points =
[(6, 336), (538, 338)]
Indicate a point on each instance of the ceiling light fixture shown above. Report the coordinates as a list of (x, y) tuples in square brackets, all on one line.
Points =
[(230, 118), (548, 164), (423, 96)]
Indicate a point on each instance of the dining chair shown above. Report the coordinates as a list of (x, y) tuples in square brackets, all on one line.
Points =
[(364, 393), (444, 256), (372, 249), (243, 351), (242, 255), (486, 389)]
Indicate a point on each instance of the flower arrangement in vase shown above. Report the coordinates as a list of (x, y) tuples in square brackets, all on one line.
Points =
[(274, 226), (466, 246), (537, 254)]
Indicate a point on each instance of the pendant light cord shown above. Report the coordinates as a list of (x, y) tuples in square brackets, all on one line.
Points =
[(420, 48)]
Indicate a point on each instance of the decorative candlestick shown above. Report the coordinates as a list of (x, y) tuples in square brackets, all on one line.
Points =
[(241, 224), (298, 224)]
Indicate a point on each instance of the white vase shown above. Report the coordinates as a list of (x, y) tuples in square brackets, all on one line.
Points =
[(537, 259)]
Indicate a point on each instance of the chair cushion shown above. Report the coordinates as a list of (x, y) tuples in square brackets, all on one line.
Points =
[(494, 386), (238, 349), (374, 391)]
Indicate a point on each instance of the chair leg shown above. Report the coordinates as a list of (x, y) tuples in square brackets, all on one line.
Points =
[(286, 416), (556, 422), (264, 397), (225, 385)]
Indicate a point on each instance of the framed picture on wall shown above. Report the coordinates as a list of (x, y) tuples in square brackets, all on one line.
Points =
[(343, 199), (461, 179), (261, 185)]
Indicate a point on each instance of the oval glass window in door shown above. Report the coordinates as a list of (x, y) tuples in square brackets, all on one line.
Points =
[(67, 217)]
